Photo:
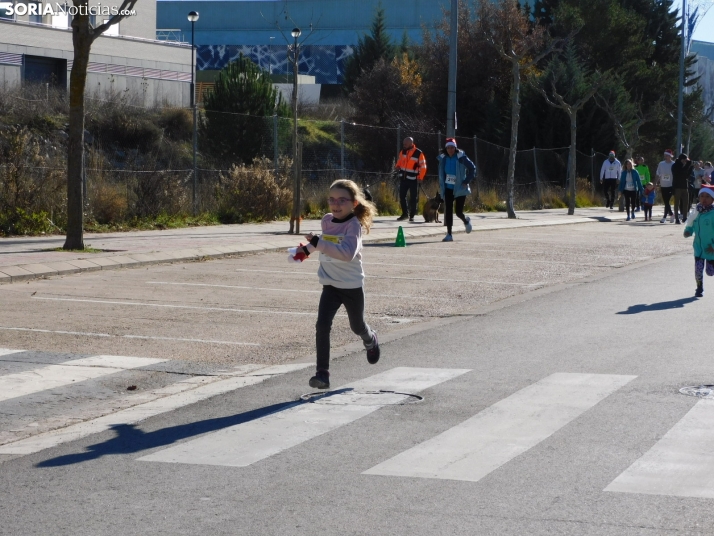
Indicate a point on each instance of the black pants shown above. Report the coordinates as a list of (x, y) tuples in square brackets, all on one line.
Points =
[(667, 193), (630, 200), (408, 186), (609, 186), (681, 203), (648, 210), (330, 301), (449, 208)]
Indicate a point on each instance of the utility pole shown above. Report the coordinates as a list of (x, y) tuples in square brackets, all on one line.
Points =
[(682, 56), (193, 17), (296, 193), (451, 102)]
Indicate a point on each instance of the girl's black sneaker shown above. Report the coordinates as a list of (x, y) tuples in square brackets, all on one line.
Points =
[(699, 293), (321, 380), (373, 353)]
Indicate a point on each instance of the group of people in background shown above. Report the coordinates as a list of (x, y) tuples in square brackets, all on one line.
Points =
[(679, 179)]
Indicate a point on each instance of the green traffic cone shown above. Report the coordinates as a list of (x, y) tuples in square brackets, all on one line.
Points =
[(400, 243)]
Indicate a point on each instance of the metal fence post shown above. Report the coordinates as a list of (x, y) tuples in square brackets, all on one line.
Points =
[(276, 151), (537, 177), (592, 170), (399, 138), (478, 175), (342, 148)]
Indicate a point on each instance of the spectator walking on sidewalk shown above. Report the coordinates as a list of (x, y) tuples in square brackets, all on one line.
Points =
[(664, 180), (630, 187), (681, 174), (411, 167), (701, 225), (609, 175), (455, 173), (645, 177)]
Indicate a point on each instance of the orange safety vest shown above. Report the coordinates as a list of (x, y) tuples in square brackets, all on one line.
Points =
[(412, 163)]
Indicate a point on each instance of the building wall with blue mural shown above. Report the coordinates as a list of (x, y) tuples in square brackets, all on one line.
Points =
[(261, 29)]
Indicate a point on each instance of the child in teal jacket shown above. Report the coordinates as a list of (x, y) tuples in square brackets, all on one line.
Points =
[(700, 223)]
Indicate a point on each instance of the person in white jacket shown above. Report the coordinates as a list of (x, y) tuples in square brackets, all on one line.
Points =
[(664, 181), (609, 177)]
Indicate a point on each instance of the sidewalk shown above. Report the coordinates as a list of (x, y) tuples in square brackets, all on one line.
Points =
[(23, 258)]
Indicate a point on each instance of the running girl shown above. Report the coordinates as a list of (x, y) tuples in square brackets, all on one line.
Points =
[(700, 223), (340, 272)]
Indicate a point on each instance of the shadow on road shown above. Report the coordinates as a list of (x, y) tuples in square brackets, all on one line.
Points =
[(129, 439), (661, 306)]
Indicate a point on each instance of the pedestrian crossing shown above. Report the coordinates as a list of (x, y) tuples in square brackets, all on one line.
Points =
[(680, 464)]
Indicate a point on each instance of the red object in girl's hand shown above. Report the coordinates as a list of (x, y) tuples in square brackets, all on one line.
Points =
[(300, 255)]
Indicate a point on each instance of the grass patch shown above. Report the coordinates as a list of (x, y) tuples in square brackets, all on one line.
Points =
[(87, 249), (160, 222)]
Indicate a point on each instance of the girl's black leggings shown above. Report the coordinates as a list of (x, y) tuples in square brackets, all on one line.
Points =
[(330, 301)]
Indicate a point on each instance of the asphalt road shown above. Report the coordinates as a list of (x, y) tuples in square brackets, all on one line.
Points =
[(549, 362)]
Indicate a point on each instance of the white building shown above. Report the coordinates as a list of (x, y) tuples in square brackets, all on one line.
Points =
[(35, 48)]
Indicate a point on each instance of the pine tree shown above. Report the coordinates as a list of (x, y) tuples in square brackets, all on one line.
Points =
[(369, 50), (234, 125)]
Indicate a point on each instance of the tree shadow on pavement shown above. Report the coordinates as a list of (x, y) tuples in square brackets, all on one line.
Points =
[(661, 306), (130, 439)]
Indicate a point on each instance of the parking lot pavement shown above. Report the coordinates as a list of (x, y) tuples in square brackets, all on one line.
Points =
[(260, 309), (23, 258)]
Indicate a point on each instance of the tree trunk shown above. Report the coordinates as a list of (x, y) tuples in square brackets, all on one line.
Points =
[(75, 153), (515, 116), (573, 134)]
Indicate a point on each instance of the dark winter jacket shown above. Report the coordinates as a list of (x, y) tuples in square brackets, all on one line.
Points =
[(681, 174)]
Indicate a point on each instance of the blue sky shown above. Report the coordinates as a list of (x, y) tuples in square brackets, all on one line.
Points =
[(705, 30)]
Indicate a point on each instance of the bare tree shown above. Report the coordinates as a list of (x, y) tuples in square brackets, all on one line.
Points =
[(509, 29), (568, 84), (626, 114), (83, 35)]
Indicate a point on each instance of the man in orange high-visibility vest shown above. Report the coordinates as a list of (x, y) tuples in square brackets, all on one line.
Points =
[(411, 166)]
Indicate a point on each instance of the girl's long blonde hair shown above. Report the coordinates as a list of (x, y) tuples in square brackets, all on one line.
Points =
[(365, 211)]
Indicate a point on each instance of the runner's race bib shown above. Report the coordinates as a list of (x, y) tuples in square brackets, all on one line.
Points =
[(335, 239), (451, 179)]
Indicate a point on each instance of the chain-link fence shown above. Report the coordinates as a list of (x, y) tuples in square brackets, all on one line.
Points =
[(139, 187)]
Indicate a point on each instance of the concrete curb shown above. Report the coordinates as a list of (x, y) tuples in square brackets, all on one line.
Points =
[(26, 272)]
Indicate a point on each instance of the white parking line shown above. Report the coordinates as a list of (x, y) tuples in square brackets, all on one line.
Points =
[(680, 464), (491, 438), (244, 444), (168, 306), (292, 290), (76, 370), (407, 278), (89, 334), (7, 351)]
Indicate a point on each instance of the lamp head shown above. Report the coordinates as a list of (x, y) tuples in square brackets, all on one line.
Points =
[(193, 16), (296, 32)]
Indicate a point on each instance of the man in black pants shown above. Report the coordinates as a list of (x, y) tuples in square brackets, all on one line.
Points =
[(609, 177), (411, 167)]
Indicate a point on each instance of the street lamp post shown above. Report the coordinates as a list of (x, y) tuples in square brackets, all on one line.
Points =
[(296, 194), (193, 17), (271, 58)]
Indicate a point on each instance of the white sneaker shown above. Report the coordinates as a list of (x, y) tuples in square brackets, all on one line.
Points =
[(468, 225), (671, 218), (448, 238), (663, 220)]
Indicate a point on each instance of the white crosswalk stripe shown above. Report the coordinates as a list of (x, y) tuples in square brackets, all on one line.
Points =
[(493, 437), (77, 370), (141, 405), (244, 444), (680, 464)]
